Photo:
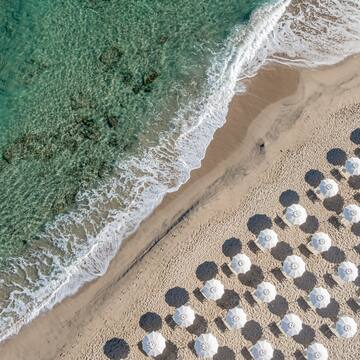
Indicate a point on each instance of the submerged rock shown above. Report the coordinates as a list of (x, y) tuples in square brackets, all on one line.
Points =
[(146, 82), (80, 101), (113, 141), (30, 147), (105, 169), (64, 201), (137, 88), (150, 77), (163, 39), (112, 121), (111, 56), (127, 77), (89, 129)]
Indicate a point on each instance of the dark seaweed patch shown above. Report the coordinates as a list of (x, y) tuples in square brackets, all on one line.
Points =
[(112, 121), (111, 56)]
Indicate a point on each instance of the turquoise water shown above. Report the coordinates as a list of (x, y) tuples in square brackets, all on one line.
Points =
[(105, 106), (82, 84)]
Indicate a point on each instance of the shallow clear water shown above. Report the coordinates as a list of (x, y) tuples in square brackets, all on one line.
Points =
[(81, 82), (88, 90)]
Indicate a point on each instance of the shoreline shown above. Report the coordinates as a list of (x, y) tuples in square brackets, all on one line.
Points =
[(205, 185)]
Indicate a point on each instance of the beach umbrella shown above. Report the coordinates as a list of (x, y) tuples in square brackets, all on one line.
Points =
[(206, 346), (293, 266), (328, 188), (262, 350), (235, 318), (346, 327), (295, 214), (351, 213), (213, 290), (352, 166), (316, 351), (320, 241), (319, 297), (240, 264), (267, 238), (184, 316), (154, 344), (265, 292), (291, 324), (347, 271)]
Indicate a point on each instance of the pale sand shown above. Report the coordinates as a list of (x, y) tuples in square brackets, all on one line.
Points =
[(297, 131)]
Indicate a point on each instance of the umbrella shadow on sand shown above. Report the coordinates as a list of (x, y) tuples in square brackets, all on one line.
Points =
[(279, 306), (306, 336), (231, 247), (336, 157), (258, 223), (150, 321), (252, 331), (288, 198), (281, 251), (311, 225), (334, 255), (313, 177), (207, 271), (355, 136), (177, 297), (306, 282), (224, 353), (335, 204), (200, 326), (253, 277), (116, 349)]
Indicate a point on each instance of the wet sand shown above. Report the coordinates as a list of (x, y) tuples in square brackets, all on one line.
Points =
[(280, 129)]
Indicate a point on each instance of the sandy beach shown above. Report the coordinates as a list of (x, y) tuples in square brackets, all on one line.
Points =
[(289, 129)]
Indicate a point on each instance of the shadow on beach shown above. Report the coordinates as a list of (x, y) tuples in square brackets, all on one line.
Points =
[(116, 349)]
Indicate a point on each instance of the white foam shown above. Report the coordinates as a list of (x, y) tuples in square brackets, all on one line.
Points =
[(146, 179), (316, 33)]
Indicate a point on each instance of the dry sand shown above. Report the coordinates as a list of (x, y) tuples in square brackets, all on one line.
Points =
[(257, 164)]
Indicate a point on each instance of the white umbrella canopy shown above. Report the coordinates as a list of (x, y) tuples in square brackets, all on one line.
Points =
[(351, 213), (291, 324), (235, 318), (240, 264), (206, 346), (295, 214), (316, 351), (267, 239), (153, 344), (293, 266), (265, 292), (319, 297), (328, 188), (262, 350), (352, 166), (184, 316), (347, 271), (346, 327), (321, 242), (213, 290)]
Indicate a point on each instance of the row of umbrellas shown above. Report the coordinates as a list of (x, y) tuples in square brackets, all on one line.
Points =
[(297, 215), (293, 265), (206, 345)]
